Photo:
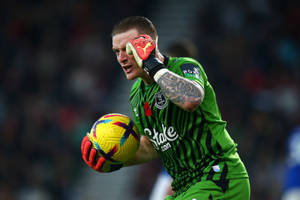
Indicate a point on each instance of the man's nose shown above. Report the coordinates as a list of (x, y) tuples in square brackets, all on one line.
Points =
[(122, 56)]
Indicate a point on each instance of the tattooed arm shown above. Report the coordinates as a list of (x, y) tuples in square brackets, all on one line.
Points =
[(181, 91)]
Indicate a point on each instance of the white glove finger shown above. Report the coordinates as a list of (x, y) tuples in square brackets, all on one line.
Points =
[(131, 50)]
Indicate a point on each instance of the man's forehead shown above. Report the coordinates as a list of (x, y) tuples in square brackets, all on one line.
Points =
[(121, 39), (130, 34)]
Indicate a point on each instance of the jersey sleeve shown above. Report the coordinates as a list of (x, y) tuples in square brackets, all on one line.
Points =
[(192, 70)]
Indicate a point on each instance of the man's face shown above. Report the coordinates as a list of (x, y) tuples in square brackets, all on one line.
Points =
[(127, 62)]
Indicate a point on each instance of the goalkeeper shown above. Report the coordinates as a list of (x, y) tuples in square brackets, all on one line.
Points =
[(175, 109)]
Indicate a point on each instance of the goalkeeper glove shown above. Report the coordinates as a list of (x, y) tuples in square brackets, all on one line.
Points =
[(95, 162), (143, 50)]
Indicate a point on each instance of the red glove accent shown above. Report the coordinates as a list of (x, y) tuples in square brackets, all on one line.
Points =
[(144, 45), (89, 155), (143, 50)]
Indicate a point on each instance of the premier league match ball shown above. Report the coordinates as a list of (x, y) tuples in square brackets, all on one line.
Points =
[(115, 137)]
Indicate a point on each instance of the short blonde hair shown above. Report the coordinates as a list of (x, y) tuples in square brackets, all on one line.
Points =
[(142, 24)]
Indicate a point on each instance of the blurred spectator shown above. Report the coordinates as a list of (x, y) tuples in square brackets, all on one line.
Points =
[(291, 186)]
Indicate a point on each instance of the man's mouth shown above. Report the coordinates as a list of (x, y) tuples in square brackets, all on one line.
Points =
[(127, 68)]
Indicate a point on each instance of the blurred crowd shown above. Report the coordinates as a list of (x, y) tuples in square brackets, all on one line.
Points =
[(251, 52), (57, 72)]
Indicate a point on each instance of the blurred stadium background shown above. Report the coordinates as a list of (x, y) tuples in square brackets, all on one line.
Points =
[(58, 75)]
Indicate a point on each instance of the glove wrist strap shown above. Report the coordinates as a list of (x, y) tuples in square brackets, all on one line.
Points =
[(152, 66)]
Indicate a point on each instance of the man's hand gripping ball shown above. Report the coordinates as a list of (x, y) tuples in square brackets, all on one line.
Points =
[(91, 159), (143, 50)]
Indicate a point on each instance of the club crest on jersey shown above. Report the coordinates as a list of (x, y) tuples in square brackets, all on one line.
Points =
[(160, 100)]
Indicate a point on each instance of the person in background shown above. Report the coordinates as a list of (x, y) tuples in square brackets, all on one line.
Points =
[(291, 186)]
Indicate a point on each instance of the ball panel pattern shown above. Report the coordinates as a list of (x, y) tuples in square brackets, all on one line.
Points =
[(115, 137)]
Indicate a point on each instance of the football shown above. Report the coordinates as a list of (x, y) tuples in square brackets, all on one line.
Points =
[(115, 137)]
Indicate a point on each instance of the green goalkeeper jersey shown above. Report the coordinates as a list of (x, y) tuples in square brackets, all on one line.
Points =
[(193, 146)]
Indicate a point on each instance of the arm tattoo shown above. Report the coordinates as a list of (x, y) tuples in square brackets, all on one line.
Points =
[(178, 89)]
